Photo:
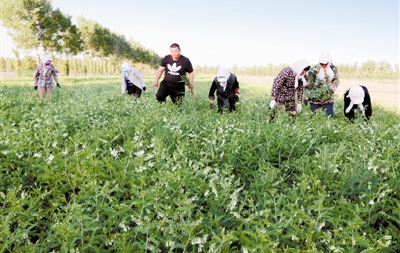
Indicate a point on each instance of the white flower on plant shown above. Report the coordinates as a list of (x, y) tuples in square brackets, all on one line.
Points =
[(5, 152), (148, 157), (321, 226), (50, 159), (140, 169), (170, 243), (371, 202), (125, 228), (295, 238), (114, 152), (37, 155), (139, 153)]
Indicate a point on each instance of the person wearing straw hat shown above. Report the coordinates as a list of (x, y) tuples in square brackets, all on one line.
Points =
[(323, 80), (227, 87), (357, 97), (132, 81), (288, 81), (44, 74)]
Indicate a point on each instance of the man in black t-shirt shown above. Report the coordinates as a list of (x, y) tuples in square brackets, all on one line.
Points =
[(176, 66)]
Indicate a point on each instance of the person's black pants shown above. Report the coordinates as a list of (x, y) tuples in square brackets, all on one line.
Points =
[(228, 103), (134, 90), (175, 91)]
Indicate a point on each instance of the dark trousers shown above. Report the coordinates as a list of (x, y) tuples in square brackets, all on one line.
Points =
[(134, 90), (228, 103), (175, 91), (327, 108)]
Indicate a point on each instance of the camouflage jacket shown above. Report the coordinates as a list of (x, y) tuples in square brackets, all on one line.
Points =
[(44, 75), (321, 91)]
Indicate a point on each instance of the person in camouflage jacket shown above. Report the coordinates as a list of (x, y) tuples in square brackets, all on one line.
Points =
[(323, 80), (44, 74)]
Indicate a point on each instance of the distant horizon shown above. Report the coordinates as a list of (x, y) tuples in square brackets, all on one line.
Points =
[(228, 33)]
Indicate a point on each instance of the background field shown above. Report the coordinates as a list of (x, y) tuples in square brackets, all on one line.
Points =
[(93, 170)]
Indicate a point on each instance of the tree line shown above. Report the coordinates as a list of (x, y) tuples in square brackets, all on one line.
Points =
[(86, 47), (78, 66), (366, 70)]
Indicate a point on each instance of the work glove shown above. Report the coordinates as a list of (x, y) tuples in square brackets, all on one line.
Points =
[(144, 88), (272, 104), (211, 103), (58, 85), (305, 102), (236, 98), (299, 108), (35, 87)]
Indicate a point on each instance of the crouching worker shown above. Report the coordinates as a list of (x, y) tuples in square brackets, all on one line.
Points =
[(289, 82), (132, 80), (227, 87), (357, 97)]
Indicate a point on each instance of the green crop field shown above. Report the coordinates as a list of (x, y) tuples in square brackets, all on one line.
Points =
[(93, 170)]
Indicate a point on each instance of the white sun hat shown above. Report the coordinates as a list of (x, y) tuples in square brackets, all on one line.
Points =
[(325, 58), (356, 94), (222, 75)]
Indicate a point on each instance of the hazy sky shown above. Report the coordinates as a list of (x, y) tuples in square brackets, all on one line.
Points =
[(252, 32)]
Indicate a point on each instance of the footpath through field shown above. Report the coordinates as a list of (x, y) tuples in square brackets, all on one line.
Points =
[(385, 93)]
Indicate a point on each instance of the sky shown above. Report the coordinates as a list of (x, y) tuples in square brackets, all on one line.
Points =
[(251, 32)]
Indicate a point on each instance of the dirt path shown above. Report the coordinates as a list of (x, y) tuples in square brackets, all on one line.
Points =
[(383, 92)]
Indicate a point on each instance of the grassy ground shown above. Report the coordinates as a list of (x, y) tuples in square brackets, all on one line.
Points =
[(95, 171)]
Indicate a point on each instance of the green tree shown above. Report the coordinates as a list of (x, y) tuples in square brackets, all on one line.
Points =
[(28, 22), (65, 37)]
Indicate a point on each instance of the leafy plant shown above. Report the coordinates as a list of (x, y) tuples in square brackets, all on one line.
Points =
[(95, 171)]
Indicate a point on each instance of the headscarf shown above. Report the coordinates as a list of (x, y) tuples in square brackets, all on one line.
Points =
[(297, 68), (125, 67), (222, 77), (356, 95), (325, 58), (46, 60)]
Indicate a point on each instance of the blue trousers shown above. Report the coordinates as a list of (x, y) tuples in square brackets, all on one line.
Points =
[(328, 108)]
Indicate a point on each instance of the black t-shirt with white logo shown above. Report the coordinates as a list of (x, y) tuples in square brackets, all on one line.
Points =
[(175, 69)]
